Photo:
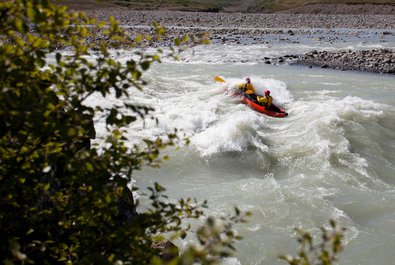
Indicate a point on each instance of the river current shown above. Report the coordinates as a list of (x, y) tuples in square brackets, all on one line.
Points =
[(333, 157)]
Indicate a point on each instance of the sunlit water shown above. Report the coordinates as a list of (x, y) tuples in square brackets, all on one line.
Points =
[(332, 158)]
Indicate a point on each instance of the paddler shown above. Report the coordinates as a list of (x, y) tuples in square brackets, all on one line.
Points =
[(248, 89), (267, 100)]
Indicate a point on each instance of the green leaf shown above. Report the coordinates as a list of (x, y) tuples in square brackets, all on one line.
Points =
[(136, 75), (31, 13), (89, 167), (19, 25), (177, 42), (72, 132), (139, 38), (47, 186), (145, 65), (159, 188)]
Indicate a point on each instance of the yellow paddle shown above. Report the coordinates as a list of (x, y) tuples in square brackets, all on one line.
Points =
[(219, 79)]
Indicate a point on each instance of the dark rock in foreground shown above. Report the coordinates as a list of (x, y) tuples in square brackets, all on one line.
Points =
[(377, 60)]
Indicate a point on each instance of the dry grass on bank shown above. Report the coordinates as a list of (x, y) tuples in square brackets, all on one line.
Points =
[(234, 5)]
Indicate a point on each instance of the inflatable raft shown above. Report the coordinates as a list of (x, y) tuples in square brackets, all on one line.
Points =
[(273, 111)]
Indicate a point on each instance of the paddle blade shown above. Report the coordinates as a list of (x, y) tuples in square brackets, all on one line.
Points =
[(219, 79)]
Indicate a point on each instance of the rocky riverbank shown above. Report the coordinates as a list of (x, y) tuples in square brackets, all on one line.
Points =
[(377, 60), (345, 9), (246, 20), (269, 30)]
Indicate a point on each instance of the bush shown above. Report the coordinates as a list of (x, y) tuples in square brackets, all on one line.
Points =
[(63, 201), (324, 253)]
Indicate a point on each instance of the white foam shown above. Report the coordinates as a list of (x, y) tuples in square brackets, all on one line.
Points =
[(316, 164), (234, 133), (278, 89), (230, 261)]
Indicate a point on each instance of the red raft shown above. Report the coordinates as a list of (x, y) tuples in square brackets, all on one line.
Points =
[(273, 111)]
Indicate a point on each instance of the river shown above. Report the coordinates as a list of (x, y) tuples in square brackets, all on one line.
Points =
[(333, 157)]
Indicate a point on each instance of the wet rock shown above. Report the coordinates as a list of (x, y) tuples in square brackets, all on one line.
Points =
[(376, 60)]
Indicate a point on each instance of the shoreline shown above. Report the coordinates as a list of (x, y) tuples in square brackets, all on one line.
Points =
[(377, 60), (246, 20), (273, 29)]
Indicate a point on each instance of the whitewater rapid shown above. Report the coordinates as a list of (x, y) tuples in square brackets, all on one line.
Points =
[(333, 157)]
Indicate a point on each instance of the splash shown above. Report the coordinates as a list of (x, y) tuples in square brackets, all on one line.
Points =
[(278, 89)]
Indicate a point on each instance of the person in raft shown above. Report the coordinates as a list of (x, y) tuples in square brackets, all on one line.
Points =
[(267, 100), (248, 89)]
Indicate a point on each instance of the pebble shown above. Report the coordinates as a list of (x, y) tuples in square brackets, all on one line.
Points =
[(245, 29), (376, 60)]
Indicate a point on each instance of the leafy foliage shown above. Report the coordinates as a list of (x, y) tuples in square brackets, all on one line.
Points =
[(324, 253), (63, 201), (216, 240)]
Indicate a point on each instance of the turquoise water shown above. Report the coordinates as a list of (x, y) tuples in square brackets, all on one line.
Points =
[(332, 158)]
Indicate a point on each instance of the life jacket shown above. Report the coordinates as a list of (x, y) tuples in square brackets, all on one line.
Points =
[(266, 101), (247, 88)]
